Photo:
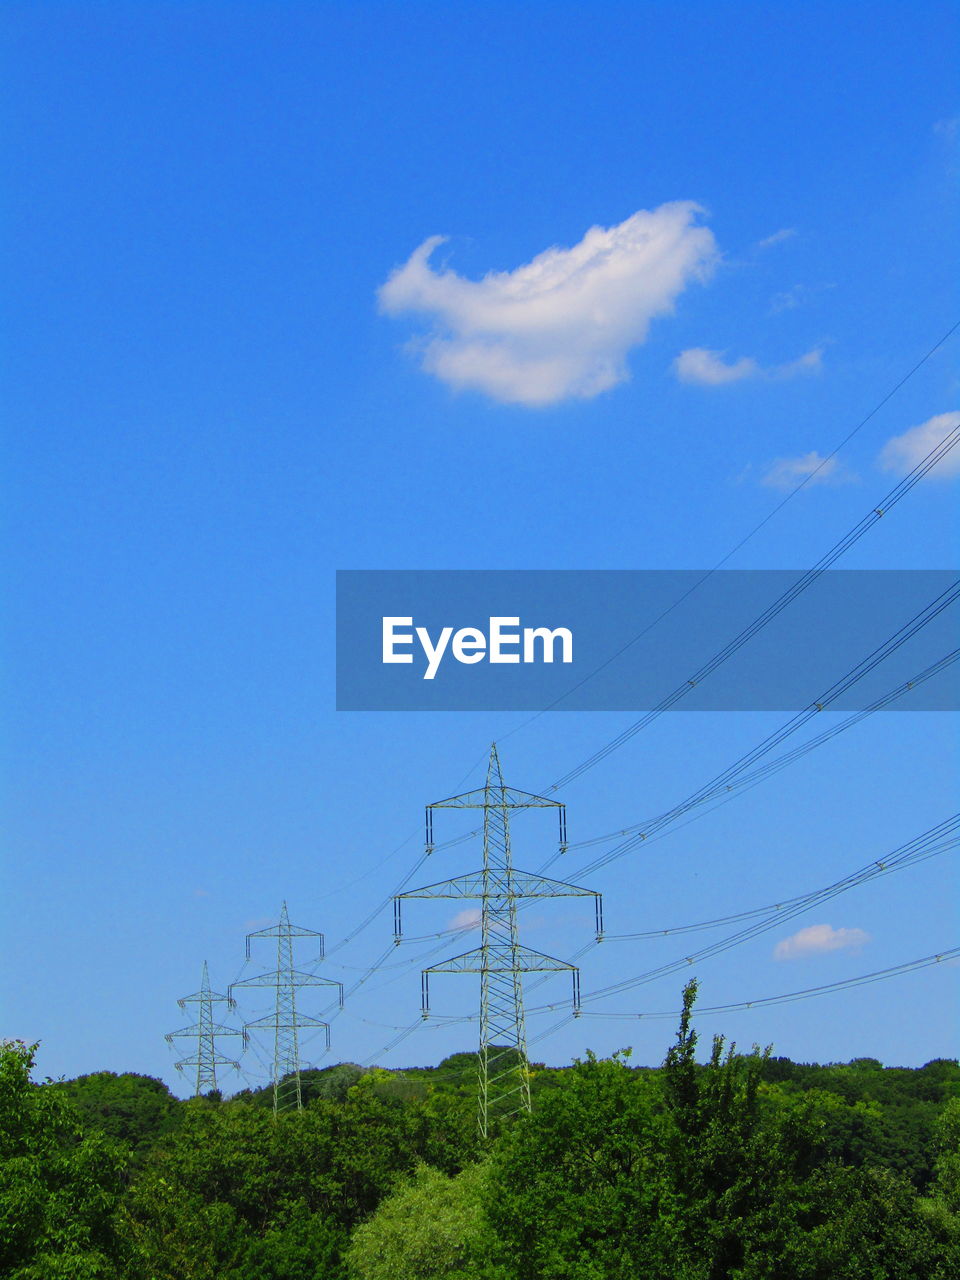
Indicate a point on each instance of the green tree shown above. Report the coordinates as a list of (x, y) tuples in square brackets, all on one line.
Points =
[(580, 1188), (236, 1193), (132, 1108), (432, 1227), (59, 1188)]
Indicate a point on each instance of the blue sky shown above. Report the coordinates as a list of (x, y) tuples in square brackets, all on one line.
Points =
[(228, 375)]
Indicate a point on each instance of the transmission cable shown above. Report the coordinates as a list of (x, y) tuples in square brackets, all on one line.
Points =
[(728, 778), (944, 836), (786, 598), (764, 1001)]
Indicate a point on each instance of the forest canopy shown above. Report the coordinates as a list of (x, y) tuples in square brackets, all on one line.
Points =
[(741, 1166)]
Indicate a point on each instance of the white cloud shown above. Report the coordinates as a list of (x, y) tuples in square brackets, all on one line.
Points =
[(901, 454), (709, 369), (809, 362), (561, 325), (818, 939), (786, 473), (785, 233), (466, 920)]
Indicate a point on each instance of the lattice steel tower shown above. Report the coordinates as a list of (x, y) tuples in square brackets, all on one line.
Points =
[(286, 1020), (500, 959), (205, 1031)]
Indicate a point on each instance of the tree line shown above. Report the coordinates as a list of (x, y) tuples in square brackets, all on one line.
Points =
[(742, 1167)]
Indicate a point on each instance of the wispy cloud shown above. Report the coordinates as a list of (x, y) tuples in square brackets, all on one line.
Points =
[(818, 939), (798, 295), (901, 454), (786, 473), (778, 237), (465, 920), (560, 326), (710, 368)]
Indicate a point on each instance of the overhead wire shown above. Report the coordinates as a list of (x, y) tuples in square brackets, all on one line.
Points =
[(944, 836), (809, 478), (719, 784), (895, 495), (805, 580), (762, 1002), (789, 757), (880, 867)]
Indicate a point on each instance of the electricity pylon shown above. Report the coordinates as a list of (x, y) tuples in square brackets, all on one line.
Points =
[(205, 1031), (500, 959), (286, 1021)]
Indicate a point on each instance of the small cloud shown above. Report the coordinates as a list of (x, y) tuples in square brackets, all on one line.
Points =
[(466, 920), (812, 362), (947, 128), (201, 893), (901, 454), (709, 369), (817, 940), (787, 473), (778, 237), (560, 326)]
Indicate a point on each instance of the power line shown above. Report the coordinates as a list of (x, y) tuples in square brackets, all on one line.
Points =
[(728, 778), (939, 838), (908, 858), (789, 757), (786, 598), (807, 479), (765, 1001)]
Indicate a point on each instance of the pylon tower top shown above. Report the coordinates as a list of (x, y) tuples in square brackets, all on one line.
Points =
[(501, 961), (205, 1031), (286, 1021)]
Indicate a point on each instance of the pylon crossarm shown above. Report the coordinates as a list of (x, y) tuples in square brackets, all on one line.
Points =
[(201, 997), (508, 960), (502, 797), (522, 884), (468, 886), (271, 1024), (525, 884), (298, 1019), (271, 979), (220, 1060), (285, 931), (198, 1028)]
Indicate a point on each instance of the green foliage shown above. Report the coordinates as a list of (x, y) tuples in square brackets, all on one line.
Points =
[(581, 1187), (58, 1187), (864, 1224), (431, 1227), (744, 1167), (131, 1108), (237, 1193), (702, 1172), (885, 1115)]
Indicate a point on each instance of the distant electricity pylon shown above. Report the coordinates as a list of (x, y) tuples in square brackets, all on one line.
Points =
[(286, 1021), (500, 959), (205, 1031)]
